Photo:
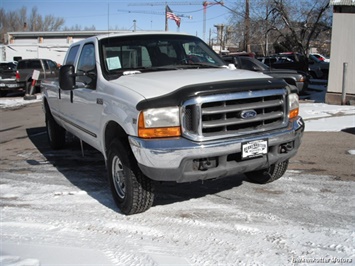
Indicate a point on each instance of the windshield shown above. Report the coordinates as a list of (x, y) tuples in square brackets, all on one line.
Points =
[(157, 52), (7, 67), (315, 59)]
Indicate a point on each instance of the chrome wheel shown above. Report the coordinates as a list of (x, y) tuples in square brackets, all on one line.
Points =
[(118, 176), (132, 191)]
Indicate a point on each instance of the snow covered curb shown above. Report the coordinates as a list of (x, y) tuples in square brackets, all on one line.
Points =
[(325, 117), (13, 102)]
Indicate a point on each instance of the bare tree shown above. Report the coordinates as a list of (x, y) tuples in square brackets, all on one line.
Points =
[(259, 27), (301, 23), (77, 27), (20, 21), (287, 24), (48, 23)]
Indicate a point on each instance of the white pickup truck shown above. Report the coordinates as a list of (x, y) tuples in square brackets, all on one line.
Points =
[(165, 107)]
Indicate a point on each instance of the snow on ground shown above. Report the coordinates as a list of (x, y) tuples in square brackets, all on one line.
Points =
[(13, 102), (325, 117), (63, 214), (68, 218)]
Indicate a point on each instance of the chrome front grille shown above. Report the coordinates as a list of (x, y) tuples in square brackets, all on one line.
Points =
[(234, 114)]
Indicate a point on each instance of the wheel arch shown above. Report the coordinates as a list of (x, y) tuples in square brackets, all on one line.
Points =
[(45, 105), (114, 131), (291, 81)]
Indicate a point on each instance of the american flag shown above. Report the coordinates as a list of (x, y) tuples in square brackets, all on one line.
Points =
[(171, 15)]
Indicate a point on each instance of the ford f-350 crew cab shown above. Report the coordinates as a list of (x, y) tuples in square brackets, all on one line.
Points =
[(165, 107)]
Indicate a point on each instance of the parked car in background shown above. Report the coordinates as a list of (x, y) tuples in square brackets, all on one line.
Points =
[(321, 57), (7, 78), (47, 69), (293, 77), (287, 60), (314, 62), (297, 62)]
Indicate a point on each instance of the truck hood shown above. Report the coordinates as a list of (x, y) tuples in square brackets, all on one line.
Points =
[(154, 84)]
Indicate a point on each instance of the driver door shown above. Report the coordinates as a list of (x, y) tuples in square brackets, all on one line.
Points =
[(82, 105)]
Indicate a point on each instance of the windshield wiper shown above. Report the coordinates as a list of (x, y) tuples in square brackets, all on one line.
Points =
[(197, 65), (139, 70)]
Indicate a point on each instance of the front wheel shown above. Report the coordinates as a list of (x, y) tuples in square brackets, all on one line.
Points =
[(131, 189), (268, 175)]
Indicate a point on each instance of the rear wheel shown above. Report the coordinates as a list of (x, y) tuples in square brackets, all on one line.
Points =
[(55, 133), (131, 189), (268, 175)]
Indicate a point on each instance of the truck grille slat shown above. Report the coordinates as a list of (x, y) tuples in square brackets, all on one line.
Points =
[(239, 107), (239, 121), (215, 117)]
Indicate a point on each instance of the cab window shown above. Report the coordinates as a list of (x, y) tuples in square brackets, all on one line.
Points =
[(86, 69)]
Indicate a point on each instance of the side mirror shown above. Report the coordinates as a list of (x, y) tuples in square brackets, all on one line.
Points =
[(67, 77)]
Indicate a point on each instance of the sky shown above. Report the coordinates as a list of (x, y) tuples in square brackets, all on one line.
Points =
[(120, 14)]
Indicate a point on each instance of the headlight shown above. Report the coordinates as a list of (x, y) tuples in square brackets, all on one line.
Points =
[(159, 123), (293, 105)]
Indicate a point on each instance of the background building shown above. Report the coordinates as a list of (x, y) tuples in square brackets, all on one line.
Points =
[(342, 51), (49, 45)]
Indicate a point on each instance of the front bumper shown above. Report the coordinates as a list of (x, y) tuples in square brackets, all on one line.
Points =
[(302, 86), (180, 159)]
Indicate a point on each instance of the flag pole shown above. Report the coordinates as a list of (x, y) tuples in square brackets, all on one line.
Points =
[(166, 18)]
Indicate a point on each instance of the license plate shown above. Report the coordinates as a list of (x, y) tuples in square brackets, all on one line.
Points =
[(8, 85), (12, 85), (254, 149)]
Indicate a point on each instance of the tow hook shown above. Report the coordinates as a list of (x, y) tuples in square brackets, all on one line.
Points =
[(286, 147)]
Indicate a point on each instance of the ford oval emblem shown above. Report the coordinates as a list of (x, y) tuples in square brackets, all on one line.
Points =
[(248, 114)]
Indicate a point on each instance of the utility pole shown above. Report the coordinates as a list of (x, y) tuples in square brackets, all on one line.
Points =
[(205, 5), (247, 28), (134, 25)]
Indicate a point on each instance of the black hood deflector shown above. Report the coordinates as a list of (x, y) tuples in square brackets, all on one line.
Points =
[(177, 97)]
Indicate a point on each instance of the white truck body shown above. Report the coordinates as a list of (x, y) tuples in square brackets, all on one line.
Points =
[(182, 121)]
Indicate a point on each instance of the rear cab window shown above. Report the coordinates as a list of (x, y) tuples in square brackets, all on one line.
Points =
[(35, 64)]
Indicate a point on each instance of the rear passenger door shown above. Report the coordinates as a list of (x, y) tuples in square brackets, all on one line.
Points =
[(56, 95)]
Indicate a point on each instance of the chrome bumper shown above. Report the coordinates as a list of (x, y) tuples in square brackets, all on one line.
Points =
[(179, 159)]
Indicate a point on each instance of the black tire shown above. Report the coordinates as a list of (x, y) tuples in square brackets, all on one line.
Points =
[(132, 191), (55, 133), (268, 175)]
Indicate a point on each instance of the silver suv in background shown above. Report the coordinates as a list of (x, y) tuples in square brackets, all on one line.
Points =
[(25, 67)]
